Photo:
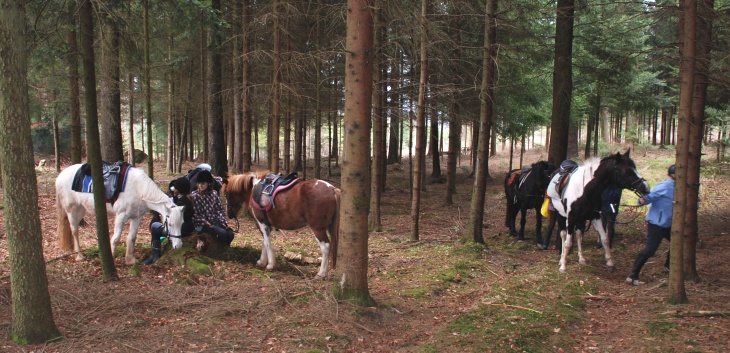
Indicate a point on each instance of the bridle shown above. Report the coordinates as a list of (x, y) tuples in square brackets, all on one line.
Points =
[(166, 227)]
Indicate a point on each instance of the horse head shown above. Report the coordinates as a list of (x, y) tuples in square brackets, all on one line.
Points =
[(545, 170), (625, 174), (237, 189), (173, 221)]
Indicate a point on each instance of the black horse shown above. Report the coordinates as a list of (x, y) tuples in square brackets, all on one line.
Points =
[(525, 189)]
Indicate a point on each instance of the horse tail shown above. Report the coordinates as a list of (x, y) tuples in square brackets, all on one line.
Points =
[(65, 240), (335, 230)]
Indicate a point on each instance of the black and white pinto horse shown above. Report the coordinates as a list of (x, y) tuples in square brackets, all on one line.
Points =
[(580, 200), (524, 191)]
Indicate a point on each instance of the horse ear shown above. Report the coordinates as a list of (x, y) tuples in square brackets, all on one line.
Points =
[(628, 151)]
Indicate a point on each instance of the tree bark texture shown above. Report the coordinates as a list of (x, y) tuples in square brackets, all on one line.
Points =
[(32, 320), (109, 271), (112, 145), (476, 216), (419, 162), (562, 81), (697, 126), (351, 275), (688, 28), (218, 158), (73, 83), (378, 133)]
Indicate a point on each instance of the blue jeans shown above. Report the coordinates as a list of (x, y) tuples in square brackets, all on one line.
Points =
[(654, 236), (223, 235)]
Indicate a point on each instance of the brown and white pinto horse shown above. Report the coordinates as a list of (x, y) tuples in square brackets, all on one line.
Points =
[(314, 203)]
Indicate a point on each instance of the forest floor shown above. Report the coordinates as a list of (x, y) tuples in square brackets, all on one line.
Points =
[(434, 295)]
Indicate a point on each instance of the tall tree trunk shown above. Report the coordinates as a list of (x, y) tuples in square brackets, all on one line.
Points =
[(275, 86), (218, 158), (562, 81), (476, 211), (204, 87), (378, 133), (32, 316), (170, 155), (687, 35), (148, 92), (318, 98), (237, 141), (112, 146), (73, 76), (109, 271), (435, 155), (419, 165), (455, 116), (696, 124), (130, 86), (246, 88), (353, 247)]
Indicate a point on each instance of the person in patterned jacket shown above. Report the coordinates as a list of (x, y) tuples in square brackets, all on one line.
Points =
[(209, 216)]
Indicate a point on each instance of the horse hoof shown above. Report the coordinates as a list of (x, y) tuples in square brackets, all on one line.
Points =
[(611, 268), (541, 247), (582, 262), (562, 270)]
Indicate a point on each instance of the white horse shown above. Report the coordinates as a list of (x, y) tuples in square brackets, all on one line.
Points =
[(580, 200), (140, 196)]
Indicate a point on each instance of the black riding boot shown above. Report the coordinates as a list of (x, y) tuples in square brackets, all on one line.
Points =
[(156, 252)]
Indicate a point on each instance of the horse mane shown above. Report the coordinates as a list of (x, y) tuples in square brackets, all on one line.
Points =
[(590, 166), (238, 183), (148, 189)]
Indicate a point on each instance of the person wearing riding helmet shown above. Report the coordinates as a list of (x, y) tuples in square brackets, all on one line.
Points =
[(179, 192), (210, 217), (659, 223)]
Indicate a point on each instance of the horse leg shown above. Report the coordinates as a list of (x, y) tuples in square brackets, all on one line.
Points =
[(598, 224), (523, 220), (129, 258), (267, 258), (511, 218), (324, 246), (565, 236), (74, 221), (579, 240), (538, 226), (119, 220)]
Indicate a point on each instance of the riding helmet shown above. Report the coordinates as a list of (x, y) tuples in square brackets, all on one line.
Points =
[(204, 177), (182, 185), (671, 170)]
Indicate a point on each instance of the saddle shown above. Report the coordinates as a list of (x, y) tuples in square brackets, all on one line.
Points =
[(560, 179), (265, 191), (114, 175), (521, 174)]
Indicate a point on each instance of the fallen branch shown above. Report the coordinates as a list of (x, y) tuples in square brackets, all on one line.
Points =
[(696, 313), (514, 306)]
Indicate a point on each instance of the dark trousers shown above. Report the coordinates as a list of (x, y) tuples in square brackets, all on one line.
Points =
[(222, 235), (654, 236)]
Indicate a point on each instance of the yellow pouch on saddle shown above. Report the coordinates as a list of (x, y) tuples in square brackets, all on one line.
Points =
[(544, 209)]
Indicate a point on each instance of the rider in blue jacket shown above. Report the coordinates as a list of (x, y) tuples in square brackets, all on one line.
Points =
[(659, 223)]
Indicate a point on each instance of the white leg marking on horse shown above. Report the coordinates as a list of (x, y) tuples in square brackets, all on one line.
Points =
[(579, 240), (598, 224), (564, 240), (74, 222), (133, 227), (325, 248)]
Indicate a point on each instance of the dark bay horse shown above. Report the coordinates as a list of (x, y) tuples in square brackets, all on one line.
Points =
[(525, 189), (314, 203), (580, 199)]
